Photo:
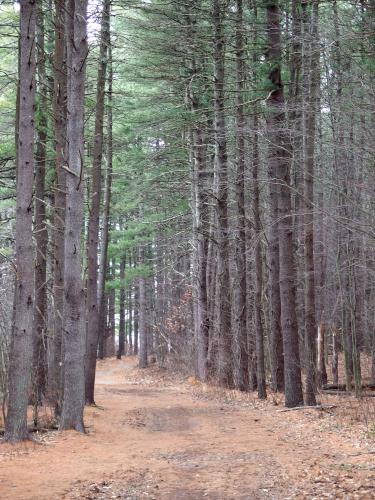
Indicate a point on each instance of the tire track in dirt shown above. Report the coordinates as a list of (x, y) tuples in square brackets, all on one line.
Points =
[(150, 437)]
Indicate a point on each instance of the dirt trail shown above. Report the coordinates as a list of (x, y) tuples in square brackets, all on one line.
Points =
[(155, 437)]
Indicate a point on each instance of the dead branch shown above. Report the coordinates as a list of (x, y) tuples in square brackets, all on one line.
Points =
[(317, 407)]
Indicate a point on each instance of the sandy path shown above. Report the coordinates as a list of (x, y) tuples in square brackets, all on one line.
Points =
[(155, 440)]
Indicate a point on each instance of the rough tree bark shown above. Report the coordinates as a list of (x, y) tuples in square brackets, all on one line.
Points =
[(40, 228), (74, 294), (109, 344), (199, 203), (59, 112), (142, 318), (342, 163), (161, 343), (276, 340), (105, 233), (93, 305), (130, 309), (211, 280), (238, 296), (279, 161), (20, 356), (223, 314), (202, 223), (321, 365), (310, 117), (121, 338), (299, 65), (136, 319), (335, 356), (200, 167), (259, 334)]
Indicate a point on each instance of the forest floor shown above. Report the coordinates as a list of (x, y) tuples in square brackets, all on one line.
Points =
[(155, 435)]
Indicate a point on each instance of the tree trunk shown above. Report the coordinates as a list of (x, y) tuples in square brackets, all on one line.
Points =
[(143, 358), (136, 320), (239, 330), (321, 368), (109, 350), (223, 316), (121, 337), (150, 308), (130, 321), (211, 281), (200, 167), (261, 372), (297, 88), (279, 161), (200, 210), (276, 340), (40, 229), (310, 323), (59, 107), (74, 297), (258, 323), (105, 234), (335, 357), (93, 304), (104, 319), (161, 344), (130, 311), (20, 356)]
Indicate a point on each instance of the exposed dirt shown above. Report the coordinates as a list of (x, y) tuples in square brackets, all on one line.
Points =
[(158, 437)]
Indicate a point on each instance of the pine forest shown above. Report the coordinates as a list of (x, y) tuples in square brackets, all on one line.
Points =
[(187, 249)]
